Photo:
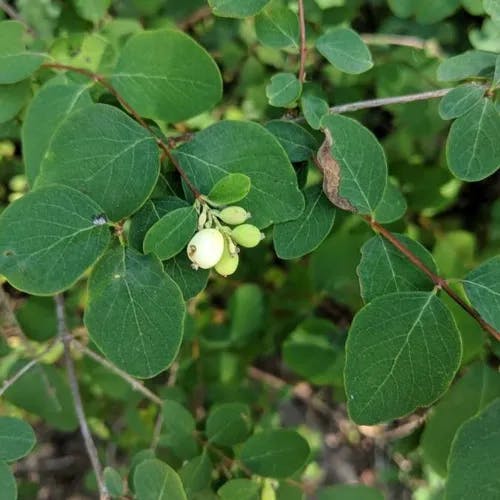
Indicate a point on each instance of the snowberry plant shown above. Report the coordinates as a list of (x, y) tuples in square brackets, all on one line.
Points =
[(215, 212)]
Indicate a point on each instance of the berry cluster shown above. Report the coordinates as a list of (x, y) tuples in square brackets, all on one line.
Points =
[(215, 244)]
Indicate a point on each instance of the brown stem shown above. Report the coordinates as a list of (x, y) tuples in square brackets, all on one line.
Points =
[(437, 280), (303, 43), (159, 141), (197, 16)]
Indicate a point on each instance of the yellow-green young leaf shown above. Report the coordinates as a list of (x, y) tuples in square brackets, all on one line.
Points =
[(135, 312), (474, 460), (277, 27), (384, 269), (48, 238), (155, 480), (472, 148), (392, 206), (460, 100), (196, 474), (165, 75), (91, 10), (402, 352), (350, 492), (363, 167), (228, 424), (190, 281), (230, 189), (345, 49), (16, 62), (298, 143), (16, 439), (314, 108), (242, 489), (298, 237), (102, 152), (8, 485), (236, 8), (45, 114), (113, 482), (171, 233), (476, 389), (275, 453), (470, 63), (12, 99), (178, 430), (482, 286), (283, 90), (247, 148)]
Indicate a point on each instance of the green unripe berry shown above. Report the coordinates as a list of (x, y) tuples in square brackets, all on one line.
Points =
[(234, 215), (228, 263), (247, 235)]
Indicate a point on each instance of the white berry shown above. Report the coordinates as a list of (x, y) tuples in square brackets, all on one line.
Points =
[(205, 248)]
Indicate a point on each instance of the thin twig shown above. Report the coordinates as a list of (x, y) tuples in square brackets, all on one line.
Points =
[(64, 335), (197, 16), (303, 42), (431, 46), (135, 384), (13, 14), (437, 280)]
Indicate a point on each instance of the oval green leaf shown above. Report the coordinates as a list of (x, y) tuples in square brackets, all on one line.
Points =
[(113, 482), (16, 439), (179, 430), (283, 90), (190, 281), (12, 99), (402, 352), (230, 189), (236, 8), (278, 27), (298, 143), (8, 485), (228, 424), (460, 100), (155, 480), (242, 489), (462, 66), (392, 206), (314, 108)]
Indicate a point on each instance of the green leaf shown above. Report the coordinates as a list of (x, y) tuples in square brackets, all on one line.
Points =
[(8, 485), (473, 462), (283, 90), (472, 149), (236, 8), (16, 62), (460, 100), (228, 424), (392, 206), (91, 10), (314, 108), (482, 286), (230, 189), (155, 480), (17, 439), (171, 233), (277, 27), (429, 11), (350, 492), (12, 99), (402, 352), (363, 168), (345, 49), (246, 302), (384, 269), (196, 474), (466, 65), (298, 143), (190, 281), (102, 152), (296, 238), (496, 76), (135, 312), (166, 75), (48, 238), (247, 148), (275, 453), (46, 112), (179, 428), (492, 7), (113, 482), (476, 389), (242, 489)]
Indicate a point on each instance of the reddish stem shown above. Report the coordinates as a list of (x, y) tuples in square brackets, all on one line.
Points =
[(303, 46)]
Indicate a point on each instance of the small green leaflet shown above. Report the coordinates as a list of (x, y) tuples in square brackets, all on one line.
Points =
[(474, 460), (196, 474), (135, 312), (299, 144), (165, 75), (16, 62), (46, 112), (314, 108), (16, 439), (230, 189), (8, 485), (236, 8), (283, 90), (402, 352), (294, 239), (228, 424), (275, 453), (171, 233), (392, 206), (460, 100), (12, 99), (91, 10), (466, 65), (48, 238), (178, 430), (104, 153), (242, 489), (190, 281), (277, 27), (473, 149), (155, 480), (113, 482), (345, 49), (482, 286)]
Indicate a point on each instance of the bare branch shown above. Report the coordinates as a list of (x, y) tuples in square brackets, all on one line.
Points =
[(303, 43), (431, 46)]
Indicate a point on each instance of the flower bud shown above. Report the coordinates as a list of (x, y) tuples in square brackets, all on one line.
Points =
[(205, 248), (234, 215), (228, 263), (247, 235)]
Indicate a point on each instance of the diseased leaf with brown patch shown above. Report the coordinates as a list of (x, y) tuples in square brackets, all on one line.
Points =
[(331, 173)]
